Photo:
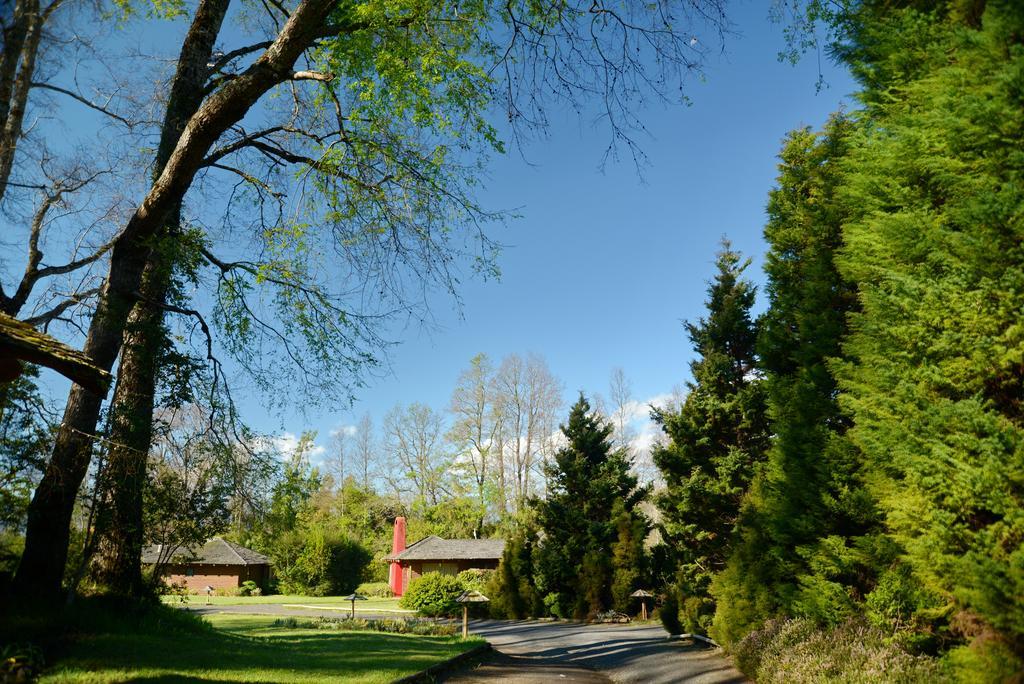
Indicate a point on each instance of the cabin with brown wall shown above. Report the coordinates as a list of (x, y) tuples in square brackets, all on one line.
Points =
[(218, 563), (446, 556)]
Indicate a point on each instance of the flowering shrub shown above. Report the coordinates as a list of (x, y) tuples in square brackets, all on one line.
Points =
[(787, 651)]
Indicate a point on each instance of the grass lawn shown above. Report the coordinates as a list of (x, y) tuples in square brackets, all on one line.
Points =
[(245, 648), (374, 604)]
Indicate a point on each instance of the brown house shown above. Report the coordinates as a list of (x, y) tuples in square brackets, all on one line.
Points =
[(219, 564), (446, 556)]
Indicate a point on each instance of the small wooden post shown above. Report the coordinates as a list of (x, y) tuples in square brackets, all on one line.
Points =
[(643, 596), (353, 598), (465, 599)]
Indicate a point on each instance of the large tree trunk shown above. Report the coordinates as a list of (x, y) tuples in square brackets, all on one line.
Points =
[(117, 565), (46, 543), (49, 514)]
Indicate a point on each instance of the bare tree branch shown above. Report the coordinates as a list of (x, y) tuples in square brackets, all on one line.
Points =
[(91, 105)]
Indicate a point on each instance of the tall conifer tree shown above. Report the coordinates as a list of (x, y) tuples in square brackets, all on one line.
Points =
[(591, 487), (933, 374), (716, 439), (800, 551)]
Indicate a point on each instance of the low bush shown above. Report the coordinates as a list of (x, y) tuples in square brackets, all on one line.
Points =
[(249, 588), (475, 580), (20, 662), (433, 594), (387, 625), (668, 613), (375, 590), (793, 651)]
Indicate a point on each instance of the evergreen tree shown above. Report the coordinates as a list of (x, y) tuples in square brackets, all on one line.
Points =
[(629, 563), (512, 591), (802, 551), (716, 439), (586, 481), (933, 370)]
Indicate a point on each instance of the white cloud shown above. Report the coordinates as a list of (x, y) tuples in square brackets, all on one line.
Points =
[(287, 442), (346, 430), (640, 411)]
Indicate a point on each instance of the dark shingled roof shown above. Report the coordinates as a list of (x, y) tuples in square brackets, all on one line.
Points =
[(433, 548), (217, 551)]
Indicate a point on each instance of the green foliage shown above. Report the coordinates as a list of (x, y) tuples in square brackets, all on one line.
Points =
[(375, 590), (668, 613), (512, 587), (590, 490), (327, 564), (24, 448), (386, 625), (717, 438), (433, 594), (800, 651), (628, 561), (457, 517), (475, 580), (889, 511), (932, 369)]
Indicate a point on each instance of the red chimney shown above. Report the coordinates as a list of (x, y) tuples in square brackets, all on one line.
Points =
[(397, 546)]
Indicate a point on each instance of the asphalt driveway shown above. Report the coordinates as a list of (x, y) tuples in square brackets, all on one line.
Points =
[(536, 652), (533, 651)]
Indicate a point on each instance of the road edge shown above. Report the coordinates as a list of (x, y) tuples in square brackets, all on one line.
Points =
[(431, 673)]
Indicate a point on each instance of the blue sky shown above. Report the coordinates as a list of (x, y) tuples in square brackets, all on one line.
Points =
[(602, 267), (603, 263)]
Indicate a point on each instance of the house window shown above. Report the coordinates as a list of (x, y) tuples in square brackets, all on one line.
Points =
[(190, 572)]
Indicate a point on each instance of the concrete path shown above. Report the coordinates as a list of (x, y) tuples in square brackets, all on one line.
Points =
[(531, 651)]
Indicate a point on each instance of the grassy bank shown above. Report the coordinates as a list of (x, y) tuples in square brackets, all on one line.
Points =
[(162, 644)]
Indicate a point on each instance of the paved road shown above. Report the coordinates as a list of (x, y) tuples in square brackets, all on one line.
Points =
[(531, 651), (535, 652)]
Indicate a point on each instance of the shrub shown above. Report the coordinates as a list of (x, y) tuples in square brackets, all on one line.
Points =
[(433, 594), (475, 580), (248, 588), (553, 605), (669, 613), (177, 590), (326, 564), (801, 651), (375, 589), (512, 588), (20, 662), (387, 625)]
